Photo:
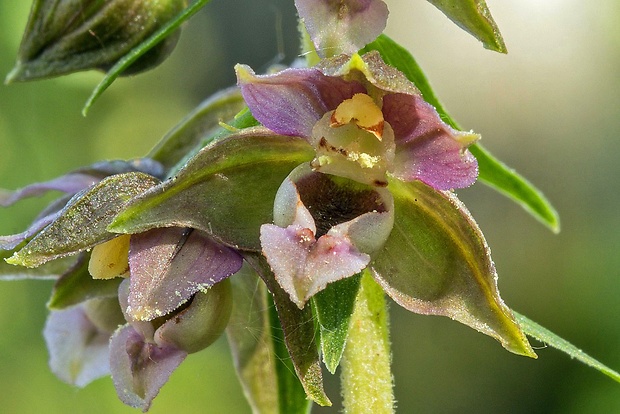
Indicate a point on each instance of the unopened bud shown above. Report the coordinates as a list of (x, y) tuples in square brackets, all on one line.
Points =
[(201, 323), (64, 36)]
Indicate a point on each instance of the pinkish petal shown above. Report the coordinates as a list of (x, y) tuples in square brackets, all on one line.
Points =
[(344, 26), (332, 258), (352, 221), (169, 265), (292, 101), (426, 148), (286, 250), (139, 369), (303, 266), (78, 348)]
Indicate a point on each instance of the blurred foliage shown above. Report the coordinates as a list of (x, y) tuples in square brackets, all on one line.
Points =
[(550, 108)]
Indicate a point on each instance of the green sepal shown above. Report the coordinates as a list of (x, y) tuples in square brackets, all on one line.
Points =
[(534, 330), (82, 223), (202, 122), (474, 17), (334, 307), (299, 330), (242, 120), (50, 270), (77, 286), (134, 54), (492, 171), (227, 189), (437, 262)]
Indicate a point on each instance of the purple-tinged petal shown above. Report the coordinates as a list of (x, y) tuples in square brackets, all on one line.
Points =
[(12, 241), (45, 217), (105, 168), (169, 265), (144, 328), (292, 101), (70, 184), (426, 148), (286, 251), (342, 26), (78, 346), (139, 369), (332, 258), (82, 178)]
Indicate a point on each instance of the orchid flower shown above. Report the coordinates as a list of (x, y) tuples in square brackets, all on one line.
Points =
[(307, 195), (335, 216), (174, 296)]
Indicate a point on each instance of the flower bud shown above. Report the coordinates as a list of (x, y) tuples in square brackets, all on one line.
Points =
[(64, 36), (104, 313), (201, 323)]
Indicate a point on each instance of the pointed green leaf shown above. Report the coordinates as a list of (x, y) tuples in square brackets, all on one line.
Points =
[(141, 49), (497, 175), (227, 189), (492, 172), (474, 17), (51, 270), (196, 126), (77, 286), (334, 307), (299, 333), (437, 262), (82, 223), (544, 335)]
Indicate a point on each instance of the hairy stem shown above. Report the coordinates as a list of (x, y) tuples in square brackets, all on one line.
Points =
[(366, 375)]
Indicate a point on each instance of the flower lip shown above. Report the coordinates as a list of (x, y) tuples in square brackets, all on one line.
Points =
[(326, 228)]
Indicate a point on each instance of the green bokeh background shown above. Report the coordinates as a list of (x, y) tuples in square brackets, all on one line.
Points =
[(550, 109)]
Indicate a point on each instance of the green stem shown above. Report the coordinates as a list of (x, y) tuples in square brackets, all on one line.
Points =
[(366, 375)]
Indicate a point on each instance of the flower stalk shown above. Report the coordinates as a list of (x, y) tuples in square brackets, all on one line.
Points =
[(367, 385)]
